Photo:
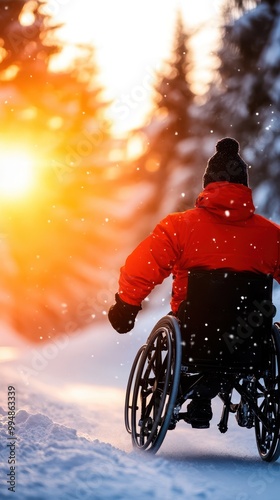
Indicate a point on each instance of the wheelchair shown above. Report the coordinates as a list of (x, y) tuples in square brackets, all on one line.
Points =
[(223, 331)]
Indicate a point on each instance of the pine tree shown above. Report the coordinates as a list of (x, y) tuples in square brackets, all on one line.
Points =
[(244, 102), (57, 241), (173, 93), (169, 130)]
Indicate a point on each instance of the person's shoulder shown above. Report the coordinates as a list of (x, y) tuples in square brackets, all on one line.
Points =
[(261, 220), (182, 216)]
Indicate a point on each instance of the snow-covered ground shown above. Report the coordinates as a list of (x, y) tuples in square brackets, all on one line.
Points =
[(70, 437)]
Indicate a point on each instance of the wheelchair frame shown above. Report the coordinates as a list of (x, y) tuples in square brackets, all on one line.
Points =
[(156, 392)]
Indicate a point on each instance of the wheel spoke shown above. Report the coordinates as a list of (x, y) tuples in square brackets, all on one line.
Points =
[(156, 385), (268, 398)]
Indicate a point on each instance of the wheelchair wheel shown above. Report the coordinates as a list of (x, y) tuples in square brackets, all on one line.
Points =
[(130, 389), (268, 400), (156, 385)]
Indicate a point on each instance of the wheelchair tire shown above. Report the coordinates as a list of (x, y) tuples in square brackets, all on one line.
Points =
[(268, 400), (130, 389), (156, 385)]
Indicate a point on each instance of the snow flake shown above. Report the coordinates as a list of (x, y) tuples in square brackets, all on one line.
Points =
[(227, 213)]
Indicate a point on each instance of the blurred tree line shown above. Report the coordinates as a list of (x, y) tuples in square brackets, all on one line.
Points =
[(58, 249), (61, 248)]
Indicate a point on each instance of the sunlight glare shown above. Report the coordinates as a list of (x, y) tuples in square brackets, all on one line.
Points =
[(92, 394), (132, 41), (8, 353), (16, 172)]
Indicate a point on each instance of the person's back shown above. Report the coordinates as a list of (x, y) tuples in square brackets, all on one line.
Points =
[(222, 232)]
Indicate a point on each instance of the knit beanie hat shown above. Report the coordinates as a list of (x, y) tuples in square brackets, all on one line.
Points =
[(226, 164)]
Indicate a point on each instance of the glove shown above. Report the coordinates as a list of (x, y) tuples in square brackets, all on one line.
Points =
[(122, 315)]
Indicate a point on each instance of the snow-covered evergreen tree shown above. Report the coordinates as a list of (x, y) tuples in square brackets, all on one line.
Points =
[(244, 99)]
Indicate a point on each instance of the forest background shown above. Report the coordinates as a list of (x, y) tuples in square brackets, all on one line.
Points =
[(77, 194)]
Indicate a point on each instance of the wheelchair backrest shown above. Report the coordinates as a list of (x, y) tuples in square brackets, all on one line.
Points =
[(226, 319)]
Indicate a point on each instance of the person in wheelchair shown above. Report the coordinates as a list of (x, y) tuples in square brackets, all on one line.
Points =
[(222, 232)]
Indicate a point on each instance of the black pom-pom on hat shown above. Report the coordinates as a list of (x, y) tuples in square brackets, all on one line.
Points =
[(227, 146), (226, 164)]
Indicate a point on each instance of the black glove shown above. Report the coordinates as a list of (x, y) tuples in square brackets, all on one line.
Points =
[(122, 315)]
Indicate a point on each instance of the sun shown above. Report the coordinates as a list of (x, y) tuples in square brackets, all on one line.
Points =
[(16, 173)]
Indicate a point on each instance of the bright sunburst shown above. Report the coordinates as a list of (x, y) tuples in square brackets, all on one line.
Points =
[(16, 173)]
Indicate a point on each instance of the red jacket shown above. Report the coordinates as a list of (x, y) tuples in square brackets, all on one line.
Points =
[(222, 231)]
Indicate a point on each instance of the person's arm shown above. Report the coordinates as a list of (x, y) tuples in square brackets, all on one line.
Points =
[(147, 266)]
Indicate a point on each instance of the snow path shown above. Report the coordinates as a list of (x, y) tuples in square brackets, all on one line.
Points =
[(82, 451), (72, 444)]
